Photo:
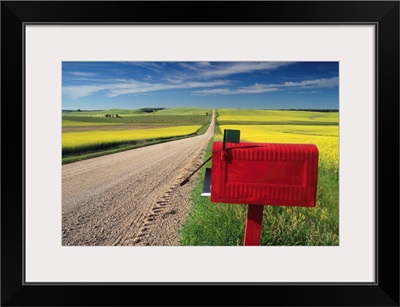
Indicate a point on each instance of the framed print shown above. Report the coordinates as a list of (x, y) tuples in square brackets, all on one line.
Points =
[(108, 109)]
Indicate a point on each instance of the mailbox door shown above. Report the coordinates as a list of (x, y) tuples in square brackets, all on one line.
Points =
[(264, 174)]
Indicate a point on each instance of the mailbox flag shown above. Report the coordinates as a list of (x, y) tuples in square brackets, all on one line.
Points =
[(231, 136), (264, 174)]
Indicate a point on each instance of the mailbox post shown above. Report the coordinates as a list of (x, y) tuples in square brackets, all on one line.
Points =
[(258, 174), (252, 231)]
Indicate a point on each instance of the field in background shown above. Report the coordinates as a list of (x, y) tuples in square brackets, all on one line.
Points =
[(214, 224), (96, 139), (278, 117), (87, 134)]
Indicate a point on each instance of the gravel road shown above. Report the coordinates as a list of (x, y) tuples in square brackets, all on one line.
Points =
[(131, 198)]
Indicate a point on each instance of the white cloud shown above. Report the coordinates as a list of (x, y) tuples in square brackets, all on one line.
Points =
[(207, 70), (263, 88), (204, 64), (134, 87), (317, 83), (75, 92), (219, 91), (155, 67), (308, 92), (143, 87), (305, 84), (238, 68), (82, 74), (256, 89)]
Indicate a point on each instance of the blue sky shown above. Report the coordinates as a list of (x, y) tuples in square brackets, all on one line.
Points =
[(245, 85)]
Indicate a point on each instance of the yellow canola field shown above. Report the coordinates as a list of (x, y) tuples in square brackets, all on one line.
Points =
[(326, 138), (87, 138), (276, 116)]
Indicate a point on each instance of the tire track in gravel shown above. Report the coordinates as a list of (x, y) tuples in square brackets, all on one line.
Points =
[(132, 197)]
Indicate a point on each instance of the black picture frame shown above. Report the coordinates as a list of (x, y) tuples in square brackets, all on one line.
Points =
[(383, 14)]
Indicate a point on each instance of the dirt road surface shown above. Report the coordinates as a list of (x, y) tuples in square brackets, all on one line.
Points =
[(132, 198)]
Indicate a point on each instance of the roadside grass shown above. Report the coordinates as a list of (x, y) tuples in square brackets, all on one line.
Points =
[(211, 224), (215, 224)]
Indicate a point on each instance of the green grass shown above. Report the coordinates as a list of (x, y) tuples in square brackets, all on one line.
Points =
[(211, 224)]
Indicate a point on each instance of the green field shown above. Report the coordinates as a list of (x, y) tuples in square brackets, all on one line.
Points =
[(215, 224), (166, 117)]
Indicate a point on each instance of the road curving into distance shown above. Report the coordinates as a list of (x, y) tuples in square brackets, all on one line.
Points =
[(133, 197)]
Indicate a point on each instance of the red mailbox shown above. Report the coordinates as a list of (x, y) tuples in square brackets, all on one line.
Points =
[(264, 174), (258, 174)]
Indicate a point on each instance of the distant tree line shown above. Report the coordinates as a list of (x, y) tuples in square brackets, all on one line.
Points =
[(112, 115), (151, 110), (79, 110)]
